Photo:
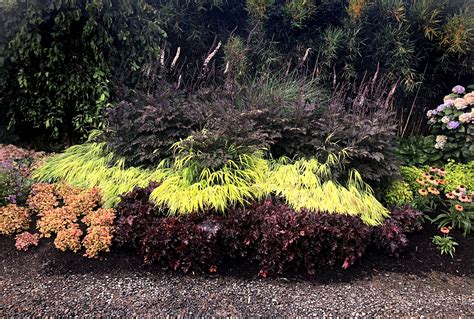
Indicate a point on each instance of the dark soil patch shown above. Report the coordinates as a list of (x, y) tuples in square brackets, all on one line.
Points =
[(46, 281), (419, 258)]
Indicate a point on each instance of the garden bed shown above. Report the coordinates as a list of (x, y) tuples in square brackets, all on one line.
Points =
[(420, 282)]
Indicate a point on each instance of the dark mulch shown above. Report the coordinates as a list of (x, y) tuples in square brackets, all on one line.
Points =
[(45, 281)]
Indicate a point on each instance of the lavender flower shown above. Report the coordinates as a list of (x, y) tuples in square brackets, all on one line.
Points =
[(453, 125), (458, 89), (441, 107)]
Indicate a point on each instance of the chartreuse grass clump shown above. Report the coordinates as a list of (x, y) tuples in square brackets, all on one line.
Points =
[(187, 186), (192, 188), (92, 165), (309, 184)]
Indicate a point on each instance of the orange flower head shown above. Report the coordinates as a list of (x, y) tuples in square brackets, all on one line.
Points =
[(426, 175), (444, 230), (450, 195), (420, 181), (459, 208), (423, 192), (433, 190), (441, 182)]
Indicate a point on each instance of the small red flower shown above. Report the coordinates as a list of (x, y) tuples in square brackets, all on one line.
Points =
[(444, 230)]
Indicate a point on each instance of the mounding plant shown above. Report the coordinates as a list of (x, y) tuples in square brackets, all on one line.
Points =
[(398, 193), (197, 181), (192, 187), (268, 232), (92, 165), (309, 184), (143, 130)]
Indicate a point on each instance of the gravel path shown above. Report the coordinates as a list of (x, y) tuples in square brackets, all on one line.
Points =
[(47, 282), (151, 294)]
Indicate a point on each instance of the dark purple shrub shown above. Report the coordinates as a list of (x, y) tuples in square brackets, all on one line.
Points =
[(134, 215), (391, 236), (187, 243), (268, 233), (408, 218)]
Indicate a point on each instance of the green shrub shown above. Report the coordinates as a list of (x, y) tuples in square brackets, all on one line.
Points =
[(410, 174), (399, 193), (61, 63), (418, 151), (460, 174)]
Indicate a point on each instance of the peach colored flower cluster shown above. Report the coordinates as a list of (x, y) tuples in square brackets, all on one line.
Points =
[(25, 240), (69, 238), (13, 219), (100, 231)]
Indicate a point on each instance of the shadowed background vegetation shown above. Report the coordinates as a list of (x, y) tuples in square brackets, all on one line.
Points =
[(64, 62)]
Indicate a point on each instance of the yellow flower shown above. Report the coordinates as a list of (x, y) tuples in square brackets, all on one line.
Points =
[(423, 192), (420, 181), (433, 190)]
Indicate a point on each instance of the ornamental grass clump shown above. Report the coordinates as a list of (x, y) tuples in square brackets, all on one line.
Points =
[(92, 165), (213, 174), (192, 187), (309, 184)]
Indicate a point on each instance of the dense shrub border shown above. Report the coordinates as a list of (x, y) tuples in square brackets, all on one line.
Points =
[(269, 233)]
